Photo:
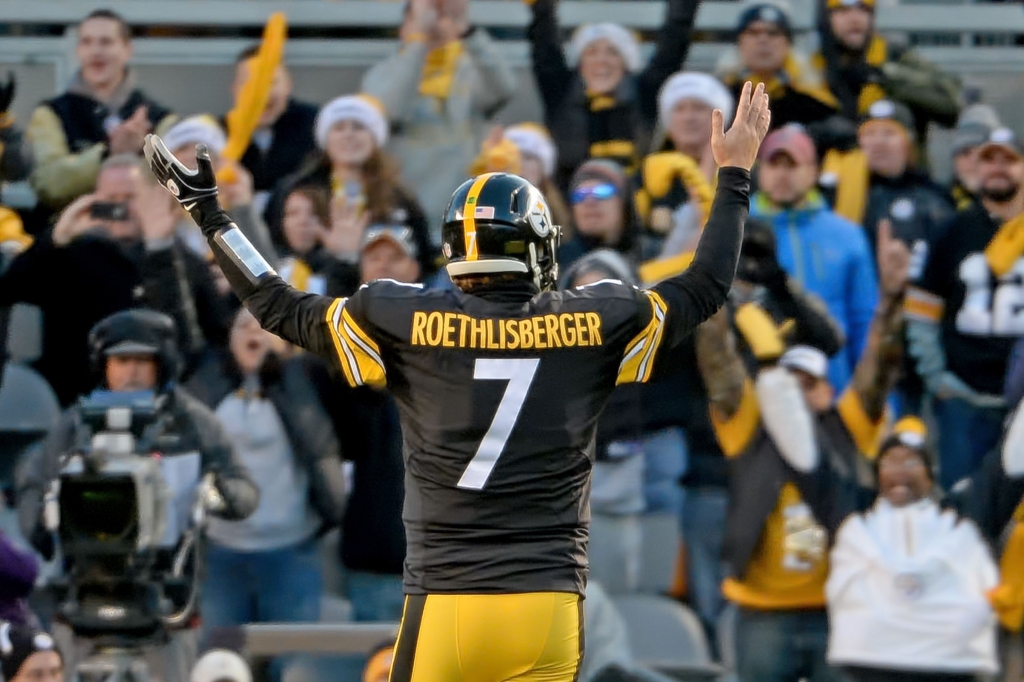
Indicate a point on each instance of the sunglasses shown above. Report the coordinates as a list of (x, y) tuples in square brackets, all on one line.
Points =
[(599, 192)]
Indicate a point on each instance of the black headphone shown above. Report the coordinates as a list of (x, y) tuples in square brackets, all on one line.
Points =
[(138, 325)]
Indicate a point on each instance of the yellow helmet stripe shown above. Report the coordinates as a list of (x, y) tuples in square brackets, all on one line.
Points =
[(469, 216)]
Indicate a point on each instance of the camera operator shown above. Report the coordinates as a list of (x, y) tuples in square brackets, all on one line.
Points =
[(135, 350)]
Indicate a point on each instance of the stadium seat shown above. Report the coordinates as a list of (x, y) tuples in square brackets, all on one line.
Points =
[(666, 636), (660, 549)]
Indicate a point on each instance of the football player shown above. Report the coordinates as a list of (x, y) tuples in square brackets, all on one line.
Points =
[(499, 384)]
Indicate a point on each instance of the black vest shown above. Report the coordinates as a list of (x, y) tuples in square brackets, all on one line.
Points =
[(83, 118)]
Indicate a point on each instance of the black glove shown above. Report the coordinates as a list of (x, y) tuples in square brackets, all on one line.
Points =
[(195, 190), (7, 91)]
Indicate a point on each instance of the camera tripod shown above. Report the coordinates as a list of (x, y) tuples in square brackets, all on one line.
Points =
[(114, 664)]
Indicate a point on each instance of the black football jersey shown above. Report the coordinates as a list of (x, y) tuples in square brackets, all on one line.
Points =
[(499, 395)]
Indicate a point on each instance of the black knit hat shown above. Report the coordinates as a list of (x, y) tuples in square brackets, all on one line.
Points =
[(909, 432), (769, 13), (17, 644)]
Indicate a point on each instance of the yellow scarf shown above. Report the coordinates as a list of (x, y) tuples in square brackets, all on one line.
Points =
[(300, 274), (1006, 247), (876, 55), (439, 70), (850, 170), (796, 80)]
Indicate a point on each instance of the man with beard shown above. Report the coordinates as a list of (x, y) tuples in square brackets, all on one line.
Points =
[(110, 250), (860, 68), (966, 312)]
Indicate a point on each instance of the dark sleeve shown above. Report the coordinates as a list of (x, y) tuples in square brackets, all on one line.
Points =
[(696, 294), (24, 280), (16, 155), (988, 497), (831, 496), (212, 311), (936, 277), (38, 469), (218, 456), (326, 477), (669, 55), (18, 570), (550, 69), (813, 324)]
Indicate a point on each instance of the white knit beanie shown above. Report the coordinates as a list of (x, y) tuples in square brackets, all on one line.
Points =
[(194, 130), (535, 140), (625, 43), (698, 86), (363, 109)]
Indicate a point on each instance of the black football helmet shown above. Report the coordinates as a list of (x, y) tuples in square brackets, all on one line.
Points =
[(500, 223)]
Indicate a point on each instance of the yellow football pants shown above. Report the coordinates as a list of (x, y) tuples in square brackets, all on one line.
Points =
[(535, 637)]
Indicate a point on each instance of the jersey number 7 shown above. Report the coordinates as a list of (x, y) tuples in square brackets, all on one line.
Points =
[(519, 373)]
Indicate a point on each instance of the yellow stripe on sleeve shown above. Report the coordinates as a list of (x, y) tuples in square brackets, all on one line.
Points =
[(735, 433), (469, 216), (638, 360), (866, 433), (358, 355), (924, 306)]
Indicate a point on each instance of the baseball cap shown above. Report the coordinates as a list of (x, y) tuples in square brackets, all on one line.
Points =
[(17, 644), (806, 359), (889, 110), (221, 664), (131, 348), (793, 140), (398, 234), (1003, 138), (910, 432)]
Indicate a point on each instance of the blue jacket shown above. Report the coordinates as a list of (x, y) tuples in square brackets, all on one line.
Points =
[(830, 257)]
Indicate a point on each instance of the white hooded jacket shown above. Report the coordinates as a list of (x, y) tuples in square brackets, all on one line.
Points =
[(907, 590)]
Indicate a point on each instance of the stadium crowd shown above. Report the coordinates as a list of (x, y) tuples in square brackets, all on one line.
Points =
[(888, 551)]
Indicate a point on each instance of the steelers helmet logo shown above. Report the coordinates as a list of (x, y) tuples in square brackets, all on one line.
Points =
[(902, 209), (539, 219), (446, 249), (172, 187)]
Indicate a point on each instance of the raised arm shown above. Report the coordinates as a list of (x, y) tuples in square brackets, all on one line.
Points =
[(697, 293), (550, 70), (296, 317)]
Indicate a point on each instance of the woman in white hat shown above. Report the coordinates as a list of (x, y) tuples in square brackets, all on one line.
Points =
[(360, 177), (600, 101)]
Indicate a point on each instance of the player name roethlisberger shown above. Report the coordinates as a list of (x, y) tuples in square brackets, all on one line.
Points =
[(456, 330)]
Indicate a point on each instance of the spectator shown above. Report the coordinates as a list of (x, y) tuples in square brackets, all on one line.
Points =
[(312, 264), (182, 139), (284, 135), (131, 351), (266, 567), (439, 90), (527, 150), (913, 582), (110, 250), (602, 210), (962, 326), (360, 177), (29, 655), (972, 130), (1013, 391), (892, 187), (668, 178), (765, 54), (18, 573), (860, 68), (103, 113), (824, 253), (372, 534), (599, 101)]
